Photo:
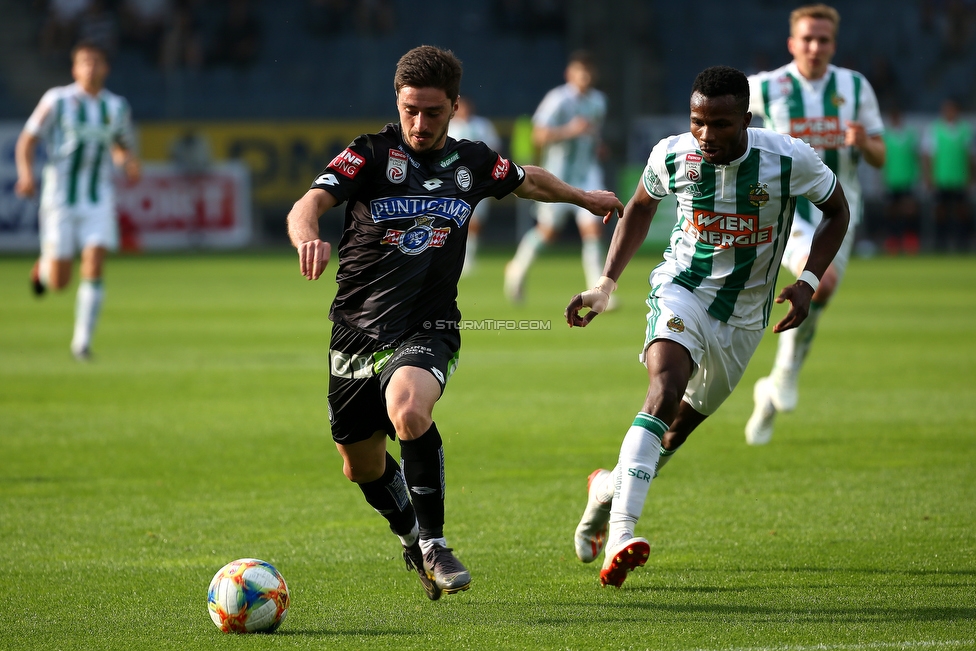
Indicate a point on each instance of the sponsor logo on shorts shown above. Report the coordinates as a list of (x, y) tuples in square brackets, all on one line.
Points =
[(350, 365), (501, 169), (462, 177), (675, 324), (396, 166), (437, 374), (727, 230), (418, 238), (348, 163)]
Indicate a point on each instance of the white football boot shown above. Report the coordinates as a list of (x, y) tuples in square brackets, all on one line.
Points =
[(591, 533)]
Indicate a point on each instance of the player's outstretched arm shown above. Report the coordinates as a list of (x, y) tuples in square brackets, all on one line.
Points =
[(628, 236), (827, 239), (542, 185), (303, 230)]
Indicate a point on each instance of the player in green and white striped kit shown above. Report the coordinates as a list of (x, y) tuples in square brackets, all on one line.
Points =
[(86, 128), (711, 297), (834, 110)]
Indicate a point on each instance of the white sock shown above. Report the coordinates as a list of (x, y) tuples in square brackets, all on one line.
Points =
[(592, 262), (426, 544), (665, 457), (88, 305), (605, 492), (411, 537), (638, 458), (793, 346), (530, 245)]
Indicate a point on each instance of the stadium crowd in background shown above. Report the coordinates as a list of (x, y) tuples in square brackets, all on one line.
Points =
[(835, 110), (711, 298)]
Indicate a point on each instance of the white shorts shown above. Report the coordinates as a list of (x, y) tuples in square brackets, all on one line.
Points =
[(553, 215), (798, 248), (720, 352), (66, 230)]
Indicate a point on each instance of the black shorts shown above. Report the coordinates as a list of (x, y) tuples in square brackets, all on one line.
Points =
[(360, 367)]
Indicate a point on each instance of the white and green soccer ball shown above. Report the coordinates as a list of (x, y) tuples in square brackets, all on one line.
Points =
[(248, 596)]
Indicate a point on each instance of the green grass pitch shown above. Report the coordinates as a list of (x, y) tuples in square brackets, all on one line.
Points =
[(200, 434)]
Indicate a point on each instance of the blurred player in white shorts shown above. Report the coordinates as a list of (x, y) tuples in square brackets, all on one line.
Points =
[(467, 125), (836, 111), (86, 129), (566, 126)]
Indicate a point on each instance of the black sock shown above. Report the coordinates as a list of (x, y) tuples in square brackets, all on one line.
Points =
[(388, 495), (423, 468)]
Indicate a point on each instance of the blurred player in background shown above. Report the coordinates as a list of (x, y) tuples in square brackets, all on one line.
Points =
[(467, 125), (900, 175), (566, 128), (948, 166), (409, 192), (86, 129), (835, 110), (711, 297)]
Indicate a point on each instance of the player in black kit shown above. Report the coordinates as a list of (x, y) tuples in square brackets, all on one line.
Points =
[(409, 192)]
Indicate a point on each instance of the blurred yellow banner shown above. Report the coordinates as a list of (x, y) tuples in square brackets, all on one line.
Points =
[(284, 157)]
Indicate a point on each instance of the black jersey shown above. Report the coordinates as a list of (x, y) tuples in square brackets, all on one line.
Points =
[(405, 228)]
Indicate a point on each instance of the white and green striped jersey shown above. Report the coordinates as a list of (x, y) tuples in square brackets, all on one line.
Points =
[(817, 112), (733, 220), (572, 160), (79, 130)]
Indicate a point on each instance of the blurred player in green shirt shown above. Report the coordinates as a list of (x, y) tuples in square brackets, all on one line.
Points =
[(900, 174), (948, 166)]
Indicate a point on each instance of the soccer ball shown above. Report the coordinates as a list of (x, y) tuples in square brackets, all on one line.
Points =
[(248, 596)]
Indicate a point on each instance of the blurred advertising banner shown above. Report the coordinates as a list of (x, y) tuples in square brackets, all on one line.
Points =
[(283, 157), (171, 208)]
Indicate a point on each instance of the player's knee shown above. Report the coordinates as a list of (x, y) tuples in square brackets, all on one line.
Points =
[(410, 418)]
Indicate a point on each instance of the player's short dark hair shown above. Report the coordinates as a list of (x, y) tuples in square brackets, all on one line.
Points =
[(429, 67), (584, 58), (719, 81), (93, 46)]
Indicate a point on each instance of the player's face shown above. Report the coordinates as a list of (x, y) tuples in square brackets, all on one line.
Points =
[(89, 69), (425, 114), (579, 75), (719, 126), (812, 45)]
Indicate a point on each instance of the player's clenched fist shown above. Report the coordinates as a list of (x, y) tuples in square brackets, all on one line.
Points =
[(313, 256)]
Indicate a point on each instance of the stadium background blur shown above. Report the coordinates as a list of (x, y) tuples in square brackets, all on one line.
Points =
[(278, 88)]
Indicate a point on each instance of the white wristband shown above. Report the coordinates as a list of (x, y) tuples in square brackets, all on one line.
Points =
[(809, 278)]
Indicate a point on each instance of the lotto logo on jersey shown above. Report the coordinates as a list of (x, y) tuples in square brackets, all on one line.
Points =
[(819, 133), (501, 169), (725, 231), (347, 163)]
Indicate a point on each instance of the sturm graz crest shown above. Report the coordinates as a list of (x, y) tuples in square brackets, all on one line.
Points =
[(418, 238)]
